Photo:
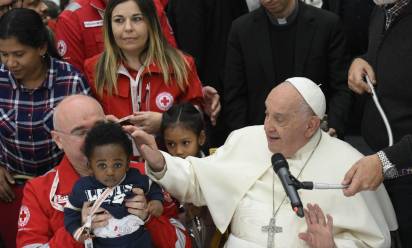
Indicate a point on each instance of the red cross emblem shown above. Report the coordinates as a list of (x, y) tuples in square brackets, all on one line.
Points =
[(61, 47), (164, 101), (24, 216)]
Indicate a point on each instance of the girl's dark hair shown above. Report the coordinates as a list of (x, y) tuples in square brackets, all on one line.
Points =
[(107, 133), (184, 114), (27, 27)]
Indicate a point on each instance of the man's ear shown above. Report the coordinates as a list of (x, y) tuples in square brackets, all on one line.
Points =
[(312, 126), (202, 138), (56, 137)]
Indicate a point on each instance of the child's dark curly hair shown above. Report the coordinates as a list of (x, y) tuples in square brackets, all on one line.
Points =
[(105, 133)]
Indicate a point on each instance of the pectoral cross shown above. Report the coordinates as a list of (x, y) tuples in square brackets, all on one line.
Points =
[(272, 229)]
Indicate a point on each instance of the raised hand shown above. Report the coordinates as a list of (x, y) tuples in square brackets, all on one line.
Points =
[(319, 233)]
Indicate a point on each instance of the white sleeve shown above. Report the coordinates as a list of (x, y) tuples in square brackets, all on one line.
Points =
[(179, 179)]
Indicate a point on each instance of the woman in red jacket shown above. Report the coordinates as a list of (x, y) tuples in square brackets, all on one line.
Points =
[(139, 75)]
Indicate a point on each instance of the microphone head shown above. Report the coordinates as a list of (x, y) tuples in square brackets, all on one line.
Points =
[(279, 161)]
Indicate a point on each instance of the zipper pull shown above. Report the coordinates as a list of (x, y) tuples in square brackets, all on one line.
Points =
[(147, 96)]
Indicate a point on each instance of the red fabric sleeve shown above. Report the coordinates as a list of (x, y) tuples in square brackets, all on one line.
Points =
[(9, 215), (52, 25), (168, 233), (164, 23), (69, 40), (38, 228)]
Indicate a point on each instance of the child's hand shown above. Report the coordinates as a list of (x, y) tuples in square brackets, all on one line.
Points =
[(155, 208), (99, 219)]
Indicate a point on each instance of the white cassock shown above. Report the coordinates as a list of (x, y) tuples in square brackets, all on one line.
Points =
[(236, 184)]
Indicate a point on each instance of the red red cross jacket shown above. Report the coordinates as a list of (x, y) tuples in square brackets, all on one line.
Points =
[(41, 218), (155, 95), (78, 30)]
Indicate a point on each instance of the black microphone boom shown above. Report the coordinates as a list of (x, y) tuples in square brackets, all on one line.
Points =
[(281, 167)]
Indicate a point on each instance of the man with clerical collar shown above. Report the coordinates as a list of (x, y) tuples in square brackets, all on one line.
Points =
[(279, 40), (240, 188), (281, 12)]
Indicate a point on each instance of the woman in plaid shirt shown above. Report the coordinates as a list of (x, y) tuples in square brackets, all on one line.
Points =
[(32, 83)]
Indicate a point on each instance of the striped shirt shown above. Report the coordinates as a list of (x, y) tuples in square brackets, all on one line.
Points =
[(392, 12), (26, 118)]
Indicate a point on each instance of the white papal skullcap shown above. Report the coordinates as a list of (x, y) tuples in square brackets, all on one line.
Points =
[(312, 94)]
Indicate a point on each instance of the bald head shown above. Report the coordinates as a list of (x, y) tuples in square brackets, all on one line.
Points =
[(73, 117), (74, 108)]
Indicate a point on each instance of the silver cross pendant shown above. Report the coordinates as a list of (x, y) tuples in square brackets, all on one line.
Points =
[(272, 229)]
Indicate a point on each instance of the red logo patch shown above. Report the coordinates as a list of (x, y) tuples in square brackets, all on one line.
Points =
[(24, 216), (164, 101), (61, 47)]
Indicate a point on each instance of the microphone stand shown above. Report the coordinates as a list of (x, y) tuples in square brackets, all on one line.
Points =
[(311, 185)]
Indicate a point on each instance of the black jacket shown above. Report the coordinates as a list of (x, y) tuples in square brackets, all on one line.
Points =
[(201, 28), (400, 153), (390, 55), (355, 15), (319, 55)]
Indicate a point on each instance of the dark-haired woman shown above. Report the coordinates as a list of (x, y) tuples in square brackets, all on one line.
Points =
[(32, 83)]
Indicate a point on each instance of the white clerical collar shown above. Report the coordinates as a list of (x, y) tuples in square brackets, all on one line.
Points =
[(304, 152), (284, 21)]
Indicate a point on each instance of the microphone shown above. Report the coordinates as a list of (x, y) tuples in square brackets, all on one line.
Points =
[(312, 185), (281, 168)]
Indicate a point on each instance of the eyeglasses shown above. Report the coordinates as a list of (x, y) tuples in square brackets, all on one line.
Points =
[(79, 133)]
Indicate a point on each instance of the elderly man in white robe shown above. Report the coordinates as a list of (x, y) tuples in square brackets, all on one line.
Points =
[(240, 188)]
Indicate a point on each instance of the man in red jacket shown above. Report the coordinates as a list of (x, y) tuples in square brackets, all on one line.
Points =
[(79, 33), (41, 218)]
